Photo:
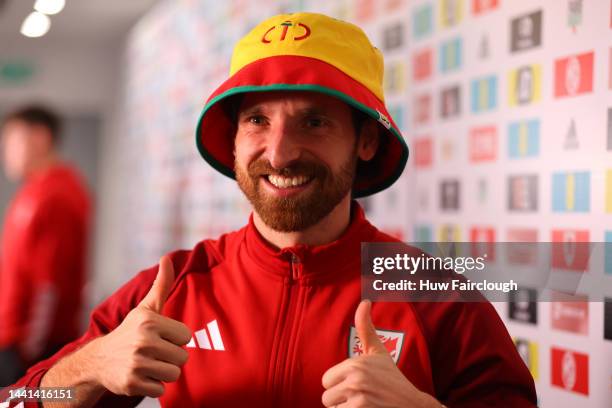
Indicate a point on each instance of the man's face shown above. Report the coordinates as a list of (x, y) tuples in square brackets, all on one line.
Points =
[(296, 156), (18, 148)]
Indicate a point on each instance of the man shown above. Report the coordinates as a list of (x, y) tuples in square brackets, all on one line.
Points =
[(42, 245), (263, 317)]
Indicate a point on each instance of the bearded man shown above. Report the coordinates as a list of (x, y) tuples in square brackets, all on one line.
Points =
[(270, 315)]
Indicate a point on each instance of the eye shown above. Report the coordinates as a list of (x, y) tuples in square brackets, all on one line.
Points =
[(256, 119), (315, 122)]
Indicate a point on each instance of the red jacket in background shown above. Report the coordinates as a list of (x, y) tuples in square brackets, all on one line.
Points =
[(268, 323), (42, 263)]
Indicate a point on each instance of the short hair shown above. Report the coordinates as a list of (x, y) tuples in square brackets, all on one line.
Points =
[(40, 116)]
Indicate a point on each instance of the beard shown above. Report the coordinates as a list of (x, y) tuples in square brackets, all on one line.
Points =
[(304, 209)]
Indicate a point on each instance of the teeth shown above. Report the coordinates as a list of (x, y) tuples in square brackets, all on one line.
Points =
[(285, 182)]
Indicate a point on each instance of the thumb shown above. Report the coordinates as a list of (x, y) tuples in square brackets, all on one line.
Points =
[(366, 331), (155, 299)]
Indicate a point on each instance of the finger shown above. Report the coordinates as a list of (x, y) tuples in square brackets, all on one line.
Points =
[(148, 388), (170, 353), (366, 331), (173, 331), (160, 371), (336, 374), (334, 396), (155, 299)]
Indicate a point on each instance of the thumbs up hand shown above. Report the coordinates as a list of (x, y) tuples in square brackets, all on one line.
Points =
[(372, 379), (145, 349)]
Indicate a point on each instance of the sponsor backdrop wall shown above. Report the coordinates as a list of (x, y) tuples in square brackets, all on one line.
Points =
[(506, 106)]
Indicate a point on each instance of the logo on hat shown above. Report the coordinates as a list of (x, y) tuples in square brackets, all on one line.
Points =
[(305, 32)]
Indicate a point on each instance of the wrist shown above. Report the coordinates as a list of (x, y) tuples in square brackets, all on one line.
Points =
[(427, 401)]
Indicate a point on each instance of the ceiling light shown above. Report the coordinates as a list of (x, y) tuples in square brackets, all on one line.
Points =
[(49, 7), (35, 25)]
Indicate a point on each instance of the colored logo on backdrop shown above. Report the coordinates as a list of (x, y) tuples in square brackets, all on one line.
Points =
[(394, 78), (571, 192), (608, 318), (393, 37), (483, 242), (574, 75), (423, 152), (422, 64), (484, 94), (528, 350), (609, 191), (451, 12), (574, 13), (524, 85), (450, 102), (570, 250), (483, 47), (526, 31), (571, 137), (450, 54), (422, 233), (449, 194), (449, 233), (523, 192), (481, 6), (570, 370), (422, 21), (524, 138), (608, 252), (522, 254), (422, 109), (569, 313), (522, 306), (483, 144)]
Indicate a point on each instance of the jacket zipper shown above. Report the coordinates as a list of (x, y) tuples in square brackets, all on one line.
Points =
[(287, 325)]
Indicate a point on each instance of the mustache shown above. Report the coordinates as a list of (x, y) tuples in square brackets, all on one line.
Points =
[(309, 168)]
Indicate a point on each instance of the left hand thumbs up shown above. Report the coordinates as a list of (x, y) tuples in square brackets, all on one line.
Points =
[(371, 379)]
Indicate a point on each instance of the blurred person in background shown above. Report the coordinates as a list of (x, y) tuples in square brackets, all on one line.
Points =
[(42, 245)]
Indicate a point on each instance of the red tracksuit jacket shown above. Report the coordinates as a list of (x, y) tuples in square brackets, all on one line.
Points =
[(267, 324), (42, 263)]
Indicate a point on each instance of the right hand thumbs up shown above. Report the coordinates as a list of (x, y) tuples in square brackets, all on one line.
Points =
[(145, 350), (155, 299)]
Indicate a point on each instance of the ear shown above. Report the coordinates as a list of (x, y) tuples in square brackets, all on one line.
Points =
[(369, 139)]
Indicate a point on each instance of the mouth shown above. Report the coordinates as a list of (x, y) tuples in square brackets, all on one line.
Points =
[(287, 185)]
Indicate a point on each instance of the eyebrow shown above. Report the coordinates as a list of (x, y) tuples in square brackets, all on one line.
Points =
[(258, 110)]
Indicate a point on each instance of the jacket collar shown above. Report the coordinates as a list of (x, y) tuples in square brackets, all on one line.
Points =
[(306, 262)]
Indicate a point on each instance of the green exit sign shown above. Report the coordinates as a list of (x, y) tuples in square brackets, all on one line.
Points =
[(15, 72)]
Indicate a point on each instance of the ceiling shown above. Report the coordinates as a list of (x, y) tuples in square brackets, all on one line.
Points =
[(82, 22)]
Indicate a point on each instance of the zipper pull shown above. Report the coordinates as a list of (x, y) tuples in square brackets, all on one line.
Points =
[(296, 267)]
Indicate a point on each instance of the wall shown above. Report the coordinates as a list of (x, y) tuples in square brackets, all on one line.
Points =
[(509, 135)]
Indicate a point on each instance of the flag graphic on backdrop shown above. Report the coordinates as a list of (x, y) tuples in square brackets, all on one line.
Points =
[(524, 138), (570, 249), (524, 85), (451, 12), (482, 6), (422, 21), (574, 75), (570, 370), (526, 31), (483, 144), (450, 54), (484, 94), (528, 350), (571, 192)]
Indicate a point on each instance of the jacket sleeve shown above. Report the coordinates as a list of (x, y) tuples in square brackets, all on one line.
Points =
[(474, 361), (105, 318)]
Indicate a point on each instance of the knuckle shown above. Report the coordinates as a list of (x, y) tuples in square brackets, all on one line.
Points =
[(174, 374)]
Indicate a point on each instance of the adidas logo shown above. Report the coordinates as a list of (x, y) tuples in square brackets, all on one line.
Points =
[(208, 339)]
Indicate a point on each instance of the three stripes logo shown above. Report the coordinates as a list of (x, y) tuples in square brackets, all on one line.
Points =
[(208, 338)]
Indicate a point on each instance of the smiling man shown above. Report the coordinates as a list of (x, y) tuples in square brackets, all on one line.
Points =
[(270, 315)]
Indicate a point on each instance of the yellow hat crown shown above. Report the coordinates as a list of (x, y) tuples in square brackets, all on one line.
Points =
[(336, 42)]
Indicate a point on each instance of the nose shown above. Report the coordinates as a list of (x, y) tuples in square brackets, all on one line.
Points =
[(282, 148)]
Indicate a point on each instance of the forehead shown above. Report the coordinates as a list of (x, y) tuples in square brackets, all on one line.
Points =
[(14, 127), (293, 100)]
